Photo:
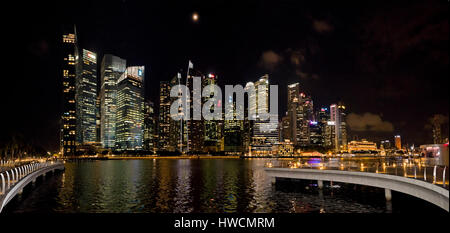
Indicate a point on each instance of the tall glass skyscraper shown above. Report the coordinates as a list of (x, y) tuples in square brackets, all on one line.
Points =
[(130, 109), (68, 117), (150, 135), (194, 129), (212, 128), (111, 70), (337, 116), (294, 112), (306, 116), (164, 116), (263, 136), (300, 114), (86, 96)]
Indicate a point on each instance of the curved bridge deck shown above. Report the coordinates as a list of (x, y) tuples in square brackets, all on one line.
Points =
[(14, 180), (420, 182)]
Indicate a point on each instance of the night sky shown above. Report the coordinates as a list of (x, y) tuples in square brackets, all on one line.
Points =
[(388, 62)]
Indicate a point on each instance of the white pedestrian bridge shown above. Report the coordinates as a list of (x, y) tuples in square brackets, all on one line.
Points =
[(14, 177), (416, 179)]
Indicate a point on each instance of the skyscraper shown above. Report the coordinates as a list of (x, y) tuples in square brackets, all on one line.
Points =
[(233, 138), (265, 133), (150, 136), (111, 70), (177, 128), (304, 117), (343, 125), (294, 112), (337, 116), (68, 117), (130, 109), (85, 97), (315, 134), (194, 129), (398, 142), (212, 128), (285, 129), (326, 128), (97, 119), (300, 113), (164, 116)]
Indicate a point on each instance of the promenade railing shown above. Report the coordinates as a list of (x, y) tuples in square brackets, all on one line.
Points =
[(13, 172), (414, 168)]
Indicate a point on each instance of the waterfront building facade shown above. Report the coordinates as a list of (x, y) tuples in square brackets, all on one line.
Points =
[(164, 116), (85, 97), (130, 109), (68, 117), (150, 135), (212, 128), (362, 146), (337, 118), (111, 69)]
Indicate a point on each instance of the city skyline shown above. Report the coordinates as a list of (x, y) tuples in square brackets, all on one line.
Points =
[(249, 115), (398, 101)]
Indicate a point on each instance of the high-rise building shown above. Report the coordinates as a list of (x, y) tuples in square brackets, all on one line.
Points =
[(177, 128), (97, 119), (326, 128), (86, 97), (68, 117), (398, 142), (112, 68), (315, 134), (305, 117), (194, 129), (130, 109), (212, 128), (294, 112), (232, 130), (285, 129), (337, 117), (164, 116), (248, 124), (233, 138), (343, 126), (150, 135), (265, 132), (187, 136), (300, 113)]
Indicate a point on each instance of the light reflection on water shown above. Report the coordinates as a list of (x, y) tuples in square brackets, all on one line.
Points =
[(185, 186)]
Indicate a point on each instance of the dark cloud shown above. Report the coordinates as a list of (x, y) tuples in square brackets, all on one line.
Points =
[(322, 26), (368, 122), (297, 59), (269, 59), (438, 119), (396, 34), (304, 75)]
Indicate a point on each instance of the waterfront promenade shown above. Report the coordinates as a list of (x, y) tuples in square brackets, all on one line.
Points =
[(417, 177)]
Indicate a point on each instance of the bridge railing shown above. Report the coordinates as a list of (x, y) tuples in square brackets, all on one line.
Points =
[(9, 177), (7, 164), (410, 168)]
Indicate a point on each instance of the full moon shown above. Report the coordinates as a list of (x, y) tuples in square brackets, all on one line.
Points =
[(195, 17)]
